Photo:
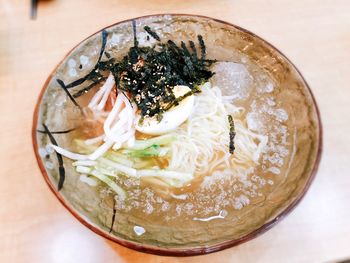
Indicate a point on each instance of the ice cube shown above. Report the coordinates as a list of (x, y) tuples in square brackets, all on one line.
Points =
[(233, 79)]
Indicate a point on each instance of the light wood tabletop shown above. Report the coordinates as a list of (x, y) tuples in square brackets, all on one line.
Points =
[(35, 227)]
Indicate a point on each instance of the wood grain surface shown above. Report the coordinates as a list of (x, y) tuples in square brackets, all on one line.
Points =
[(35, 227)]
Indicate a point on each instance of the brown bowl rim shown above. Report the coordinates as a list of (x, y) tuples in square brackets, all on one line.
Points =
[(179, 251)]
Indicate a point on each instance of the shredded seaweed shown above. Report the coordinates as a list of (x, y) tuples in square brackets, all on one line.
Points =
[(94, 74), (60, 82), (57, 132), (103, 45), (202, 45), (107, 54), (61, 170), (194, 51), (232, 134), (86, 89), (151, 33), (136, 43), (149, 74), (113, 216)]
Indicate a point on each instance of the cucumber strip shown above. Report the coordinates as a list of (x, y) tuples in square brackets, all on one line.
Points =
[(116, 188), (160, 140)]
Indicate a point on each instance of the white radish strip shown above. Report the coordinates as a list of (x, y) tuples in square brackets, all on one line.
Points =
[(122, 118), (118, 133), (87, 180), (99, 94), (101, 150), (131, 141), (127, 135), (83, 169), (94, 140), (125, 116), (70, 155), (108, 86), (112, 115), (123, 113), (82, 157), (96, 98), (117, 146), (129, 110), (117, 130), (84, 163), (121, 138)]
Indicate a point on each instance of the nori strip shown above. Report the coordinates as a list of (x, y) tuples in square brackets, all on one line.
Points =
[(150, 73), (113, 216), (60, 82), (194, 51), (86, 89), (176, 101), (136, 43), (61, 170), (174, 47), (57, 132), (151, 33), (232, 134), (202, 45), (188, 59), (103, 45), (94, 71)]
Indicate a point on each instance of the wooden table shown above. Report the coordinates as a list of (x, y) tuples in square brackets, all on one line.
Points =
[(34, 226)]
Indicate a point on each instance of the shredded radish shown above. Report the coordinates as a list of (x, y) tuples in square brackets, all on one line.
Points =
[(94, 140), (84, 163), (70, 155), (130, 142), (117, 126), (108, 86), (123, 138), (129, 109), (100, 98), (117, 146), (101, 150), (113, 114), (96, 98), (84, 157), (117, 130), (120, 132)]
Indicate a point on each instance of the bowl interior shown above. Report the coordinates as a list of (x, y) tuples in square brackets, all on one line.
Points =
[(280, 96)]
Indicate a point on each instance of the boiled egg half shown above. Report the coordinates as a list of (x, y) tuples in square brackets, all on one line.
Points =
[(172, 118)]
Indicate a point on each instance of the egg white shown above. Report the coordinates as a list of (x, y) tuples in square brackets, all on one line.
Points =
[(172, 118)]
